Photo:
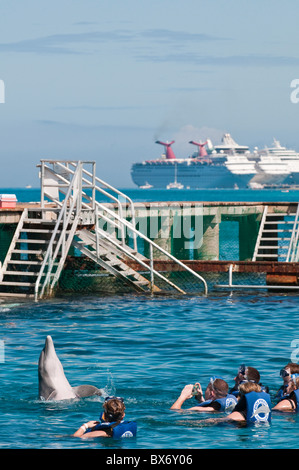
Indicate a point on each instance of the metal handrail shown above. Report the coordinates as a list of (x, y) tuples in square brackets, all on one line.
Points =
[(93, 187), (49, 256), (121, 220), (150, 268), (154, 245), (294, 239), (120, 193)]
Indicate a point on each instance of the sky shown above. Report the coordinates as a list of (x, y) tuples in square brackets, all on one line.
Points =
[(103, 80)]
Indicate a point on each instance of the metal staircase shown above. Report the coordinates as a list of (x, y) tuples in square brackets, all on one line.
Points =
[(278, 237), (71, 215), (110, 257)]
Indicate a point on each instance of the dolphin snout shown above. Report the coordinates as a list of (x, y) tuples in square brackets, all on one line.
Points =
[(49, 345)]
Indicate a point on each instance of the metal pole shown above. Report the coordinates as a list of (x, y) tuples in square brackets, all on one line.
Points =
[(152, 268), (42, 175), (230, 275)]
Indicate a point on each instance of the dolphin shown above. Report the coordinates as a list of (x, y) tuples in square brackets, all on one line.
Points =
[(53, 384)]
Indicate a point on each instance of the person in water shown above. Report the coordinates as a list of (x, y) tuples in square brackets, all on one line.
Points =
[(111, 423), (285, 373), (216, 397), (254, 404), (246, 374), (290, 401)]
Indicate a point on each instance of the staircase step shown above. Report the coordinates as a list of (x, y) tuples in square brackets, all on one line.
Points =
[(279, 222), (30, 240), (15, 294), (142, 283), (20, 273), (280, 214), (275, 238), (16, 261), (277, 230), (17, 284), (37, 230), (28, 220), (274, 255), (273, 247), (30, 252)]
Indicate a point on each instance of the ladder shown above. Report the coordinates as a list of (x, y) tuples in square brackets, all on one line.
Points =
[(110, 257), (70, 215), (278, 237)]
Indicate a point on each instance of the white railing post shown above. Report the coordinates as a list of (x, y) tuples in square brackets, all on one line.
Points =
[(152, 268), (291, 256), (42, 179)]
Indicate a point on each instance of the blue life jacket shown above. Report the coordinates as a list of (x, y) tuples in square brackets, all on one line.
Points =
[(258, 407), (281, 393), (227, 403), (123, 429), (296, 393)]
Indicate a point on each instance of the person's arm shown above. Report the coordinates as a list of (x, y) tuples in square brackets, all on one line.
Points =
[(287, 405), (235, 416), (202, 408), (81, 431), (186, 393), (239, 413)]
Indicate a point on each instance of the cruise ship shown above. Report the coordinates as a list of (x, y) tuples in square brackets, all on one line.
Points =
[(289, 158), (207, 168), (224, 166)]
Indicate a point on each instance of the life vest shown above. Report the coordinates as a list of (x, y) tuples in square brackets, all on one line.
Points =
[(123, 429), (281, 394), (258, 407), (227, 403), (296, 394)]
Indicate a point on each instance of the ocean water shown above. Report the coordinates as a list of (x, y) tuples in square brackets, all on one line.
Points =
[(146, 195), (146, 349)]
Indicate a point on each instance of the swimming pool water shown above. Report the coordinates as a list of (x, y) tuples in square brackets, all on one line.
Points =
[(144, 349)]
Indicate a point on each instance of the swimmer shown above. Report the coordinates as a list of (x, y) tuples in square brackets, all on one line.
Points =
[(254, 406), (290, 401), (111, 423), (285, 374), (246, 374), (216, 397)]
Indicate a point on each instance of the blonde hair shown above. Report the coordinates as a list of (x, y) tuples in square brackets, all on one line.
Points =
[(248, 387)]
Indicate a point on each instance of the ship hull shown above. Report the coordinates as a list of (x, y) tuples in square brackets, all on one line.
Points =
[(200, 175), (268, 178)]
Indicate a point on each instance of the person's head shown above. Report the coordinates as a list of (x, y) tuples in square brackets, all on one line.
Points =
[(247, 373), (217, 388), (247, 387), (293, 383), (287, 371), (114, 409), (252, 374)]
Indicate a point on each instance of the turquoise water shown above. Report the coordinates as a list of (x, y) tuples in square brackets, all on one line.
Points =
[(145, 349), (144, 195)]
